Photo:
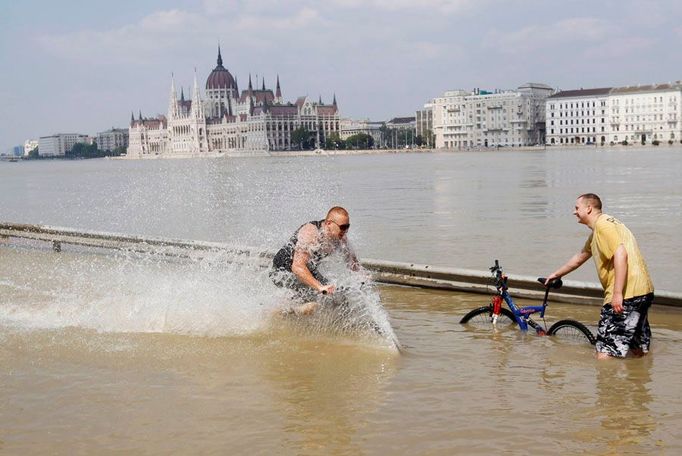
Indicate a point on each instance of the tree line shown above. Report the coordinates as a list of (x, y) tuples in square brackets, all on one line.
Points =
[(304, 139)]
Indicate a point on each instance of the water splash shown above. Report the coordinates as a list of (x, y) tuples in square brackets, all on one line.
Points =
[(354, 312), (128, 292), (211, 296)]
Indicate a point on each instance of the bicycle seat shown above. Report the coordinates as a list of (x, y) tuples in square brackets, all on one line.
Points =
[(556, 283)]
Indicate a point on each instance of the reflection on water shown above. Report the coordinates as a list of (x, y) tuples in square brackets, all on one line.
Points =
[(624, 400)]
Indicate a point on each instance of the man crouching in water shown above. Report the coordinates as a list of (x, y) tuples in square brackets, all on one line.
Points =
[(295, 265)]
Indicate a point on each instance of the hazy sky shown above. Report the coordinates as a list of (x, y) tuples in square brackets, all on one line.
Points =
[(83, 66)]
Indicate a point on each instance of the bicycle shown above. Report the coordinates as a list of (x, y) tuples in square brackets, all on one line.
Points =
[(496, 315)]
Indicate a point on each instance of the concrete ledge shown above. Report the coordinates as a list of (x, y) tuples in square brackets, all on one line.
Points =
[(408, 274)]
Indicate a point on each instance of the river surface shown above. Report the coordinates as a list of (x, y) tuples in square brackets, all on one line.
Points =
[(450, 209), (114, 352)]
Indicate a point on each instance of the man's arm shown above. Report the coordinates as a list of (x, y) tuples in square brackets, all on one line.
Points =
[(620, 266), (572, 264), (307, 237)]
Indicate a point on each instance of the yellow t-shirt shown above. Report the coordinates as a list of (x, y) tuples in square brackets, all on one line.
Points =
[(607, 235)]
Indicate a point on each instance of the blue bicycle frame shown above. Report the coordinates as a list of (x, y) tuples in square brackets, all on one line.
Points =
[(521, 314)]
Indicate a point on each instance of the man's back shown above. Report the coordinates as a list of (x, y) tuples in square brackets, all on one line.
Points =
[(608, 234)]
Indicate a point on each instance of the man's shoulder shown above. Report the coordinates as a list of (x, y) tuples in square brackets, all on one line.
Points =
[(308, 232), (606, 218), (606, 221)]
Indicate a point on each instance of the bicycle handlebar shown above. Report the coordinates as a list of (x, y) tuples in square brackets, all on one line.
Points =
[(342, 289), (496, 267), (501, 279), (556, 283)]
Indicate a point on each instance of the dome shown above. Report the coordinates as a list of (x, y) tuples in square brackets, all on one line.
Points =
[(220, 78)]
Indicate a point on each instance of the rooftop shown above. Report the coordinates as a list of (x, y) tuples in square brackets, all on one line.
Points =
[(582, 93)]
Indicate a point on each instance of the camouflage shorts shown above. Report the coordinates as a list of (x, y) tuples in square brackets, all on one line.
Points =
[(618, 333)]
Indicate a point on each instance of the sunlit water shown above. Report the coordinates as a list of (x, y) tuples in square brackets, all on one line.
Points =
[(132, 353)]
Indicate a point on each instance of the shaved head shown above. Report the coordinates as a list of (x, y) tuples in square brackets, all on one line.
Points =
[(591, 199), (336, 211)]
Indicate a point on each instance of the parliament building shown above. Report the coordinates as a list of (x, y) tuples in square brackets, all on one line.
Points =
[(224, 121)]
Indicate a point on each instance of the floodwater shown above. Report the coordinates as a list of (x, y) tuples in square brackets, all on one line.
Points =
[(113, 353)]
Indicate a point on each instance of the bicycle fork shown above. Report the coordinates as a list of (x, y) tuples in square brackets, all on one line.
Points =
[(497, 308)]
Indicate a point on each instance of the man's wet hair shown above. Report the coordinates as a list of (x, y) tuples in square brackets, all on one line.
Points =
[(337, 211), (592, 199)]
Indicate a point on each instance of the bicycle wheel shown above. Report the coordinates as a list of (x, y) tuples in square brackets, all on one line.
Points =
[(482, 318), (572, 331)]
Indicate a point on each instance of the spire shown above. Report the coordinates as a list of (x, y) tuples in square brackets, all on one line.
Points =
[(173, 92), (140, 114), (250, 95), (182, 94), (263, 84), (220, 57), (319, 100), (132, 118), (173, 99), (278, 92), (197, 107), (236, 86), (334, 103)]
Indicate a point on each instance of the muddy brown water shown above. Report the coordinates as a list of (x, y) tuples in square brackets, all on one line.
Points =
[(126, 367)]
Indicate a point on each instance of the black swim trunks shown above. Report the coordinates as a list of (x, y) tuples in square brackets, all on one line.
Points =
[(618, 333)]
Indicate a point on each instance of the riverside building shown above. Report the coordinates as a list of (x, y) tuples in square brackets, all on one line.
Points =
[(29, 146), (424, 124), (113, 139), (647, 113), (480, 118), (578, 116), (351, 127), (638, 114), (57, 145), (225, 121)]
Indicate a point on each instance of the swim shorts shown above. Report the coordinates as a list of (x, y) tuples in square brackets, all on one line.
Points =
[(618, 333)]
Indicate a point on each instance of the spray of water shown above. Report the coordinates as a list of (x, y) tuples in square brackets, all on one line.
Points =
[(250, 202), (354, 312), (211, 296)]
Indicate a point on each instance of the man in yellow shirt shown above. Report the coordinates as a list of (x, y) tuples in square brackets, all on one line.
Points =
[(628, 290)]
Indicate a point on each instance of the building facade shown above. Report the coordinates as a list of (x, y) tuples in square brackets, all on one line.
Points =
[(58, 145), (633, 115), (644, 114), (29, 145), (424, 124), (578, 116), (350, 127), (480, 118), (225, 121), (113, 139)]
